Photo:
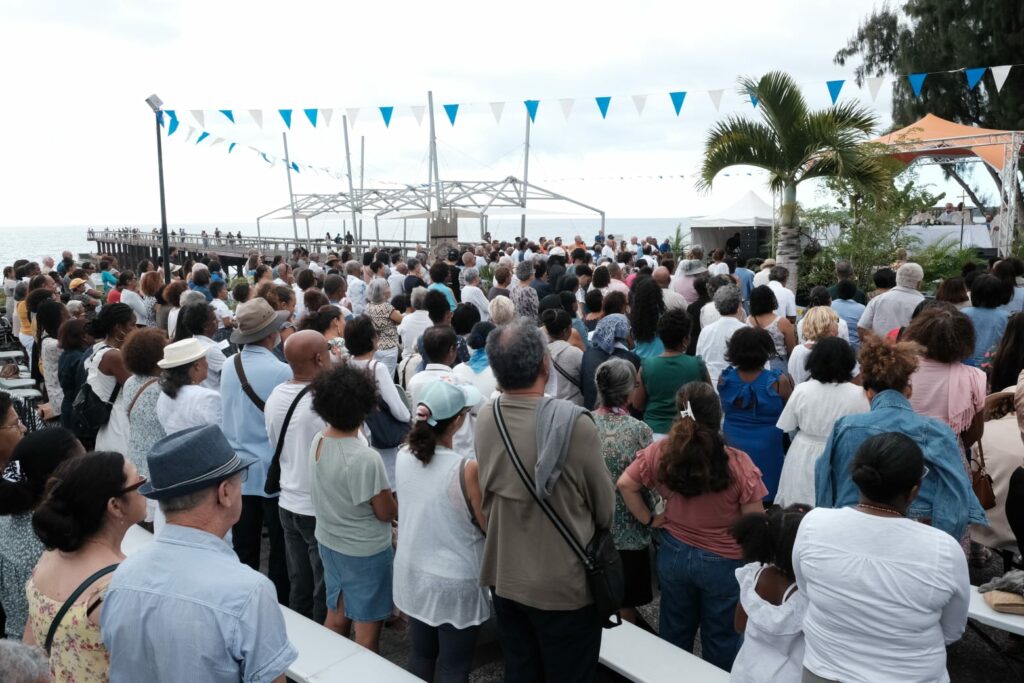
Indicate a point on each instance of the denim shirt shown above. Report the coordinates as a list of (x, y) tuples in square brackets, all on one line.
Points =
[(946, 495), (184, 608), (243, 423)]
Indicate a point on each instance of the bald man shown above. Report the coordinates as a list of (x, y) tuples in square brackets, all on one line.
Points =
[(672, 298), (308, 355)]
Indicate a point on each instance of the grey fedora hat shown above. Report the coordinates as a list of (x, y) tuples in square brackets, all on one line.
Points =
[(190, 460), (256, 320)]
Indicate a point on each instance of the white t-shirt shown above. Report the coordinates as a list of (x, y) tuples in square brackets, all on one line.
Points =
[(712, 343), (761, 277), (720, 268), (474, 295), (305, 424), (222, 311), (193, 406), (786, 299), (885, 596)]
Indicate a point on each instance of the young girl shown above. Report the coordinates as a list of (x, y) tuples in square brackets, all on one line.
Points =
[(770, 612)]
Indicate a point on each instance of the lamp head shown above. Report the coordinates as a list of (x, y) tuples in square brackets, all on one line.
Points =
[(154, 102)]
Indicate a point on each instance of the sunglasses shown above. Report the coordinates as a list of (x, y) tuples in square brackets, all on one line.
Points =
[(133, 487)]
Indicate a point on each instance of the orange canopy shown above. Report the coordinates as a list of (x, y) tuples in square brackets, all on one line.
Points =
[(932, 136)]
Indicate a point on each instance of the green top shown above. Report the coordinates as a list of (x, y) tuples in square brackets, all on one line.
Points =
[(345, 478), (663, 375)]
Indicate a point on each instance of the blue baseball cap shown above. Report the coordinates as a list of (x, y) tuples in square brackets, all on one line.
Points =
[(446, 399)]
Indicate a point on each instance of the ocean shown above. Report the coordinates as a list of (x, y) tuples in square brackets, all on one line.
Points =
[(35, 242)]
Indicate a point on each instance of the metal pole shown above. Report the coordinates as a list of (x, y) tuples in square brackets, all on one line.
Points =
[(291, 196), (362, 163), (433, 151), (405, 226), (526, 176), (163, 203), (348, 164), (259, 234), (376, 229), (309, 241)]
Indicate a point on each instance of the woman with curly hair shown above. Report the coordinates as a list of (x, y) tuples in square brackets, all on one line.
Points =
[(645, 310), (707, 486)]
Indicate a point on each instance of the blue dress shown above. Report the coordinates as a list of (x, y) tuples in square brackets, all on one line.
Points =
[(752, 410)]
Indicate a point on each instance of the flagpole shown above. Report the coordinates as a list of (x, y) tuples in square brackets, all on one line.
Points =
[(291, 195), (526, 177), (348, 164)]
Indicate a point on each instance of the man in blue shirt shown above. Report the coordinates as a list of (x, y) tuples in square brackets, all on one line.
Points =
[(844, 303), (438, 277), (244, 425), (745, 276), (183, 608)]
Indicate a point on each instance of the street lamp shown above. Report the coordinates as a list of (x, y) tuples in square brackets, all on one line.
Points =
[(155, 103)]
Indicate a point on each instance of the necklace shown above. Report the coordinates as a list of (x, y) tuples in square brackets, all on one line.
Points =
[(879, 508)]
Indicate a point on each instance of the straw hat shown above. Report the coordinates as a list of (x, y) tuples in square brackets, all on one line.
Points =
[(182, 353)]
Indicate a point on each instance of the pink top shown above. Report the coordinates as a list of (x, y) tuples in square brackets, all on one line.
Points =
[(951, 392), (703, 521)]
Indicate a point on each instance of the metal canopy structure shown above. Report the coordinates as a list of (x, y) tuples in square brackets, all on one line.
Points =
[(457, 198)]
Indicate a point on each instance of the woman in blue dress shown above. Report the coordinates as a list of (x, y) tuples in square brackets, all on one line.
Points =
[(752, 400)]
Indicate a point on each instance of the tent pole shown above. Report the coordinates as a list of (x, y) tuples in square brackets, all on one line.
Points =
[(291, 196), (526, 177), (348, 164)]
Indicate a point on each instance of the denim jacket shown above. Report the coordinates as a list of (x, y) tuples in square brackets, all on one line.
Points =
[(946, 495)]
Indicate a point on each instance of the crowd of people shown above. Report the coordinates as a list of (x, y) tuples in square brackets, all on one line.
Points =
[(414, 439)]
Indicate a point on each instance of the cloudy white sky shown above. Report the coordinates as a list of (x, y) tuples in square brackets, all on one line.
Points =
[(79, 144)]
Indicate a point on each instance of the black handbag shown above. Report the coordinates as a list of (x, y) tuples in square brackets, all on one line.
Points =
[(600, 558), (386, 431), (92, 413)]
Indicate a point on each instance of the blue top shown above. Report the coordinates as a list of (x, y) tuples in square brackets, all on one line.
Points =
[(752, 410), (244, 424), (989, 325), (202, 290), (109, 281), (446, 290), (649, 349), (946, 495), (850, 311), (746, 278), (183, 608), (1016, 304)]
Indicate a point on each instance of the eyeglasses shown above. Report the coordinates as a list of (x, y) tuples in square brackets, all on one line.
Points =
[(133, 487)]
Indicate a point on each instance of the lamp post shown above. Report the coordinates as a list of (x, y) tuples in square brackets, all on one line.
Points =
[(155, 104)]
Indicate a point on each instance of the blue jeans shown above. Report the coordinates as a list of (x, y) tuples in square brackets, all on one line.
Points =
[(698, 588)]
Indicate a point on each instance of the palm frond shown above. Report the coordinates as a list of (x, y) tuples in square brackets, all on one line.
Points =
[(737, 141), (782, 106)]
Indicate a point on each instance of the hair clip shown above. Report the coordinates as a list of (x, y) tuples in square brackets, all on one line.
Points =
[(687, 412)]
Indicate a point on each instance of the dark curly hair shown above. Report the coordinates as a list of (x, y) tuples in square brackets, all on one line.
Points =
[(768, 537), (887, 366), (614, 302), (601, 278), (946, 334), (360, 335), (674, 329), (646, 308), (693, 459), (75, 502), (762, 300), (831, 361), (343, 397), (749, 348), (142, 349)]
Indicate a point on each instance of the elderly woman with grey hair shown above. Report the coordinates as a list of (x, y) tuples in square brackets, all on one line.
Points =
[(621, 437), (502, 310), (23, 663), (472, 294), (385, 322), (612, 337), (523, 295)]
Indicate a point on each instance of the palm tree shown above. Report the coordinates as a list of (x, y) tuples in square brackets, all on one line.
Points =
[(794, 144)]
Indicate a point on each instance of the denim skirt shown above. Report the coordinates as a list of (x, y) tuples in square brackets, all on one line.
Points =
[(364, 582)]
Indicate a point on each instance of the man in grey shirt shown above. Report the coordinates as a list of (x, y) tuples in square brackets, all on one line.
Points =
[(894, 308)]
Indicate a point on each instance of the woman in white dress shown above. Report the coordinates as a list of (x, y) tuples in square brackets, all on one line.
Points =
[(812, 409), (106, 371)]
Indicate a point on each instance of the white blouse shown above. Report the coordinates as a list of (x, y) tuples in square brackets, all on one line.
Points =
[(193, 406)]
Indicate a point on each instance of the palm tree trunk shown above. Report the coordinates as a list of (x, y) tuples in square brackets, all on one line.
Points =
[(787, 252)]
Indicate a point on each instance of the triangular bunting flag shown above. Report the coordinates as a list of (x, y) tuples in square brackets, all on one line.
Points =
[(264, 155), (257, 116), (352, 115), (679, 97), (531, 108), (639, 101), (974, 75), (916, 81), (231, 147), (418, 110), (173, 124), (200, 116), (202, 137), (325, 114), (311, 114), (191, 132), (753, 98), (216, 141), (874, 85), (286, 115), (230, 115), (386, 113), (497, 108), (834, 88), (566, 104), (295, 167), (602, 105), (452, 110), (716, 97), (999, 74)]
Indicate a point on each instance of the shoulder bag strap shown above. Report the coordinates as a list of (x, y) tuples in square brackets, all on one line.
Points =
[(565, 373), (71, 601), (517, 462), (288, 419), (246, 387), (145, 386), (465, 495)]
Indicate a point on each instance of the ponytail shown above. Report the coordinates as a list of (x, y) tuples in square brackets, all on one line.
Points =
[(694, 460), (423, 437)]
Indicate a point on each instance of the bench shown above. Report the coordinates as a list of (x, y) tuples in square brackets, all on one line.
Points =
[(983, 614), (17, 383), (641, 656)]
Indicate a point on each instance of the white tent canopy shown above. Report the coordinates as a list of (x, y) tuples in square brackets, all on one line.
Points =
[(749, 212)]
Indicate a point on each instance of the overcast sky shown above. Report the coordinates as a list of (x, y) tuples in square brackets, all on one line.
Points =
[(79, 142)]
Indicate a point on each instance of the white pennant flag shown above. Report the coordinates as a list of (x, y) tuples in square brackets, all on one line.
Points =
[(999, 74), (716, 97), (200, 116), (325, 114), (874, 85), (216, 142), (352, 114), (567, 106), (257, 116), (418, 110), (191, 132), (639, 101), (497, 108)]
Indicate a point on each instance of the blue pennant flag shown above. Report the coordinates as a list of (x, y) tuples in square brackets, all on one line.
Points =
[(531, 108), (602, 104), (311, 115), (974, 75), (231, 147), (386, 113), (286, 114), (834, 87), (452, 110), (264, 155), (173, 125), (916, 81), (753, 98), (295, 167), (230, 115), (202, 136), (677, 100), (160, 118)]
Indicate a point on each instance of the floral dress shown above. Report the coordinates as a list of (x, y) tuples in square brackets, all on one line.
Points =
[(19, 552), (78, 654), (621, 437)]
